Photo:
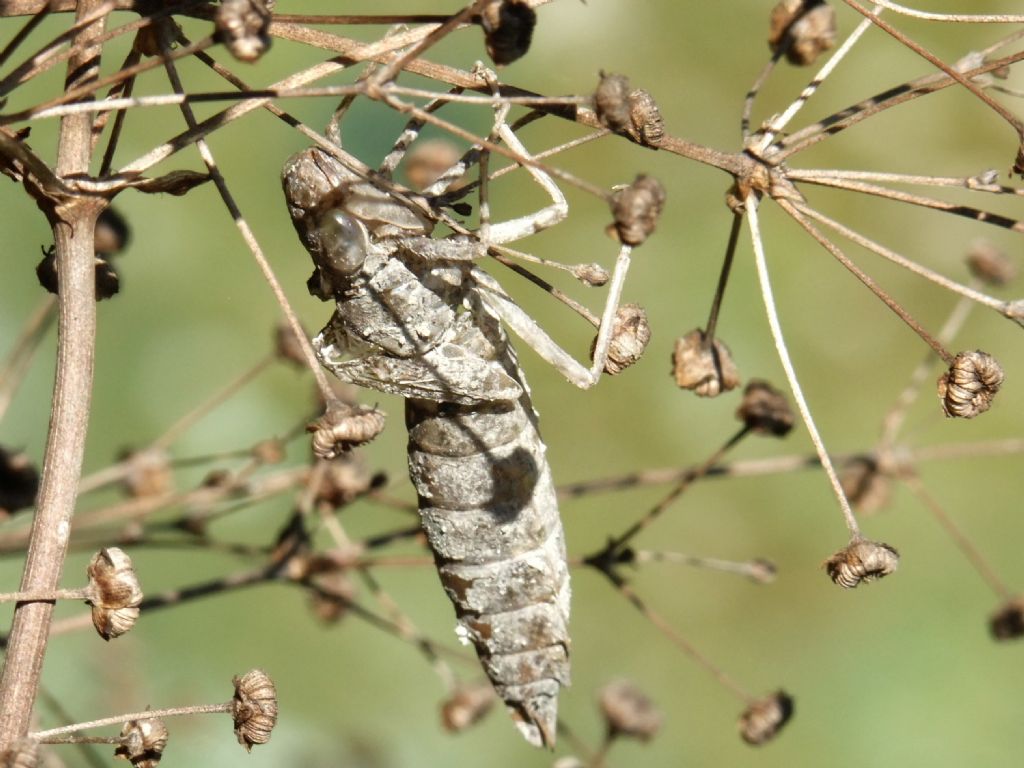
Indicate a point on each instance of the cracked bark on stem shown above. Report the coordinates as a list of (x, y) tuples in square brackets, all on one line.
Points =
[(65, 446)]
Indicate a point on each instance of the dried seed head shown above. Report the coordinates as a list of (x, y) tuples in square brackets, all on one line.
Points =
[(1008, 622), (467, 706), (254, 708), (112, 233), (611, 102), (343, 427), (270, 451), (287, 346), (19, 482), (636, 209), (346, 478), (428, 160), (630, 335), (113, 592), (24, 753), (765, 409), (628, 712), (861, 561), (706, 369), (243, 26), (143, 742), (332, 597), (989, 263), (969, 385), (591, 274), (864, 484), (508, 28), (764, 718), (148, 473), (804, 29), (107, 282), (645, 117)]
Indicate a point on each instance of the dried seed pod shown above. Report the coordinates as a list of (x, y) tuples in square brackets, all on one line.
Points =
[(107, 282), (804, 29), (467, 706), (143, 742), (630, 335), (244, 28), (427, 160), (861, 561), (112, 234), (591, 274), (628, 712), (148, 473), (19, 481), (508, 29), (764, 718), (114, 592), (967, 388), (865, 485), (645, 118), (254, 708), (333, 594), (611, 102), (1018, 163), (346, 479), (707, 370), (287, 346), (1008, 622), (343, 427), (636, 209), (765, 409), (988, 262)]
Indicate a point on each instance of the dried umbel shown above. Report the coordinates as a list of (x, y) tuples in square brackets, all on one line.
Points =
[(636, 209), (19, 481), (764, 718), (630, 335), (1008, 622), (765, 409), (345, 479), (467, 706), (113, 592), (428, 160), (343, 428), (706, 369), (244, 28), (861, 561), (254, 708), (591, 274), (864, 484), (990, 264), (508, 29), (967, 388), (107, 281), (148, 473), (628, 712), (803, 29), (143, 742)]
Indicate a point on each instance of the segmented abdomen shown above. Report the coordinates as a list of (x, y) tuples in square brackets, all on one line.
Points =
[(488, 507)]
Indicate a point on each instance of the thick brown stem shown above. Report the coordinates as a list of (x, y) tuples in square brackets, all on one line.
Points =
[(74, 225)]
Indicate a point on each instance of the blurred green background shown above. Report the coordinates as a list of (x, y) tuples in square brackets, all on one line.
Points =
[(897, 673)]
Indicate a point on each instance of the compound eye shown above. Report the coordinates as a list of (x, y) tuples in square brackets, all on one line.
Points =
[(343, 243)]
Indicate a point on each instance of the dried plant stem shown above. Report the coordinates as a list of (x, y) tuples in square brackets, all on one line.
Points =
[(44, 595), (723, 280), (956, 18), (977, 560), (740, 567), (199, 709), (14, 368), (62, 463), (787, 365), (23, 33)]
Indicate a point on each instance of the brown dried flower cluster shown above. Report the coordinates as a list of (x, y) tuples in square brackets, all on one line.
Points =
[(764, 718), (967, 388), (254, 708), (628, 712), (508, 29), (802, 29), (765, 409), (107, 281), (143, 742), (990, 264), (861, 561), (1008, 622), (148, 473), (706, 369), (113, 592), (343, 427), (865, 486), (625, 110), (631, 333), (636, 209), (244, 28), (467, 705)]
